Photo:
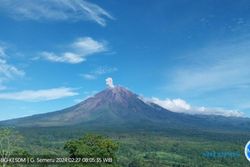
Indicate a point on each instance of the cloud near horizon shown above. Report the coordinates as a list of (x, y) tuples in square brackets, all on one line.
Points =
[(181, 106), (61, 10), (39, 95), (78, 51)]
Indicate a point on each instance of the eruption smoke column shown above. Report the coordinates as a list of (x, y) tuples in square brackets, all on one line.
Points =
[(109, 82)]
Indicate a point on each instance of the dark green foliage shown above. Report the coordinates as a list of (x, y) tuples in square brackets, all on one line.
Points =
[(10, 142), (11, 145), (148, 148), (93, 146), (136, 163)]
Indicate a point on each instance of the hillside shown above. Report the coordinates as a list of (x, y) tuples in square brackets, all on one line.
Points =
[(119, 107)]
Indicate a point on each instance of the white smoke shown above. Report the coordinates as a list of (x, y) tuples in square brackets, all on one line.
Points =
[(109, 82)]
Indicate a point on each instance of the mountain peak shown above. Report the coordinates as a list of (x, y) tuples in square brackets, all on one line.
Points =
[(114, 94), (118, 89)]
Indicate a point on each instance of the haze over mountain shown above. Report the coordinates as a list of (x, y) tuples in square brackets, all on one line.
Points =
[(118, 107)]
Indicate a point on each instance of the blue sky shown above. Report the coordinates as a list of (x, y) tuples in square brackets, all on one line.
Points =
[(187, 56)]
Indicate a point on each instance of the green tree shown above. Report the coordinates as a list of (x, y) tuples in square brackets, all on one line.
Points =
[(9, 143), (92, 146)]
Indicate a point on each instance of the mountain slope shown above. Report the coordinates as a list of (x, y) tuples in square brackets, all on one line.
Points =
[(111, 105), (120, 107)]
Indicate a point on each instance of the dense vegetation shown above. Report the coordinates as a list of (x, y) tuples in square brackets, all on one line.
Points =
[(135, 148), (93, 148)]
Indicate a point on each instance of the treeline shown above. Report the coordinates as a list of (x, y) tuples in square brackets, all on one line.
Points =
[(125, 149)]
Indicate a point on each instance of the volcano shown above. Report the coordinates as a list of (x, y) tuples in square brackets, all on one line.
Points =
[(119, 107)]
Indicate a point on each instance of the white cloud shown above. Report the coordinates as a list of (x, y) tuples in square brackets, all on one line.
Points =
[(177, 105), (215, 67), (104, 70), (39, 95), (98, 72), (66, 57), (70, 10), (89, 76), (109, 82), (2, 52), (88, 46), (7, 71), (2, 87), (79, 50), (219, 70), (181, 106)]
